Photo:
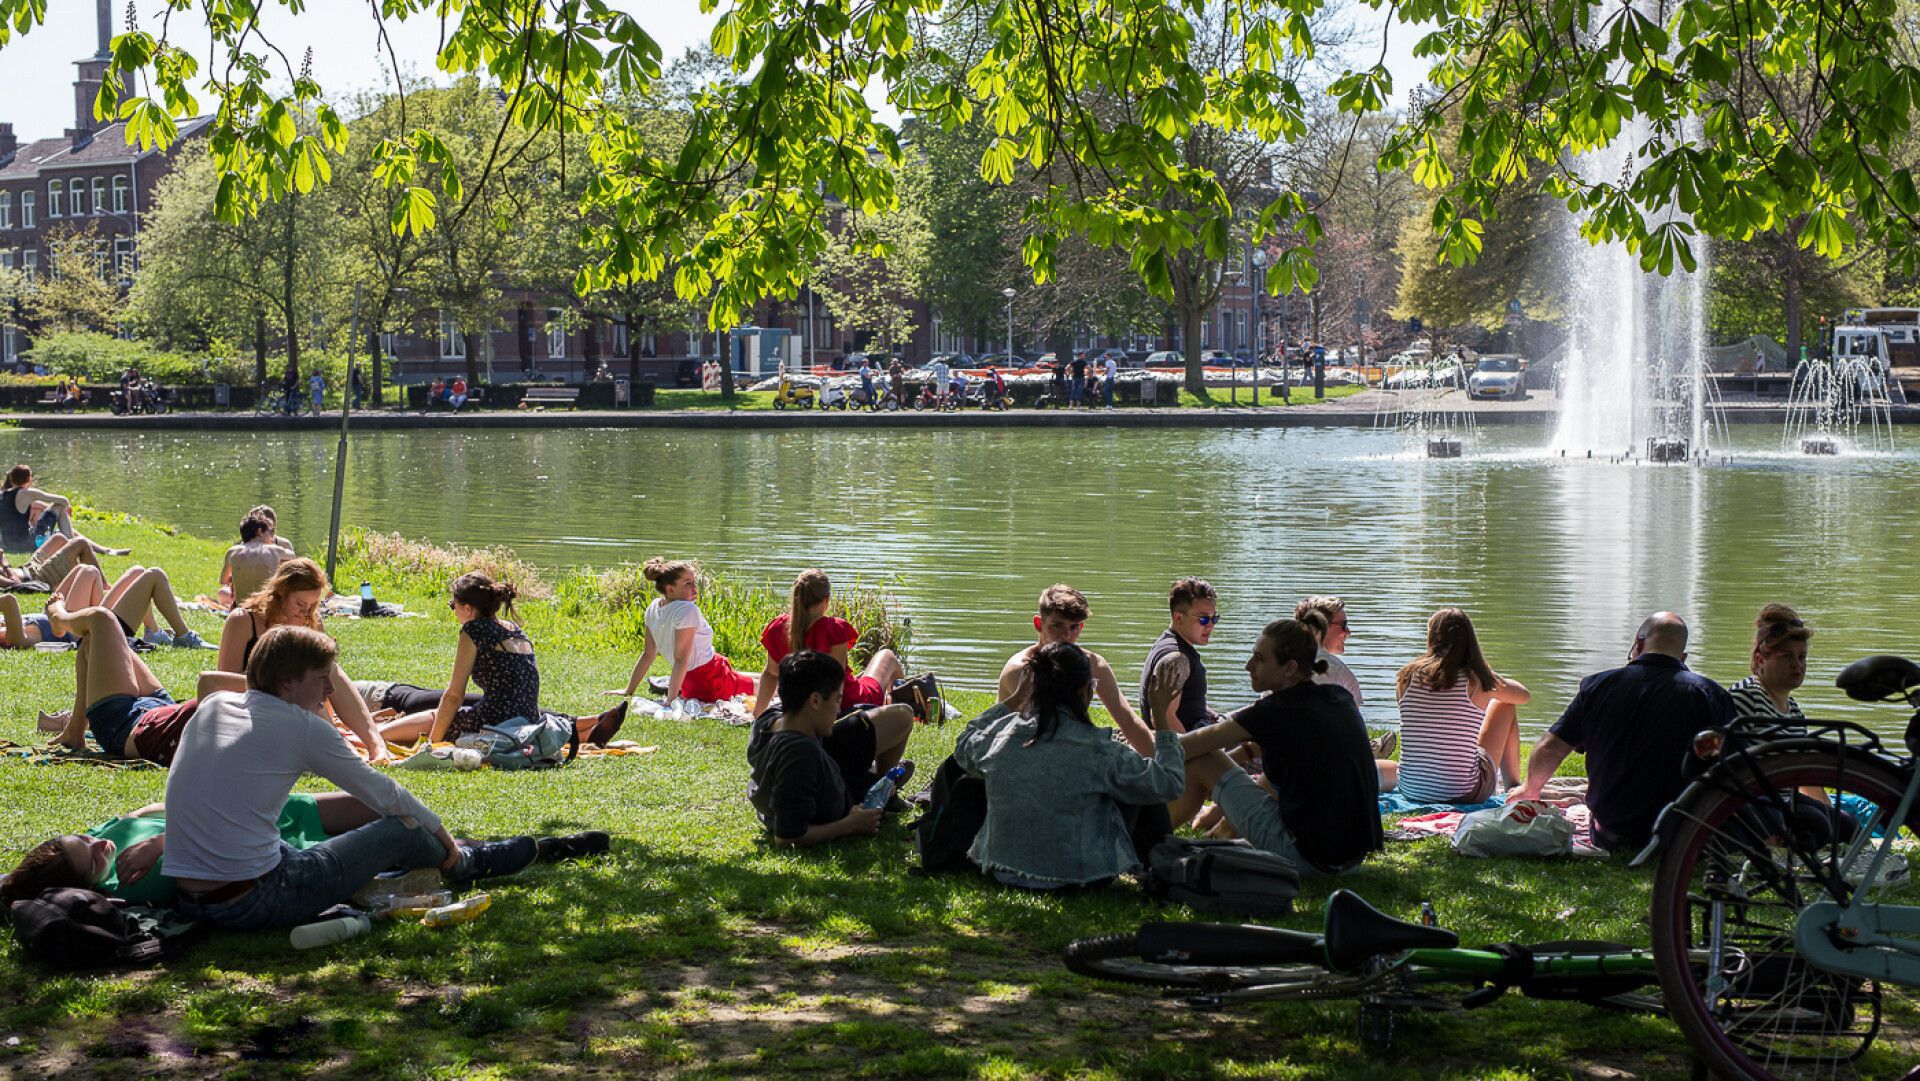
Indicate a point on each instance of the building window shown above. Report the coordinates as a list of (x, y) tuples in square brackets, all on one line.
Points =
[(556, 335), (6, 210), (99, 195), (647, 347), (9, 347), (620, 338), (119, 195), (53, 199), (76, 197), (6, 260), (387, 341), (453, 344), (1240, 320), (30, 263), (28, 202), (123, 259)]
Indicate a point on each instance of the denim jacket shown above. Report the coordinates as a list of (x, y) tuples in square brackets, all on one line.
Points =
[(1053, 808)]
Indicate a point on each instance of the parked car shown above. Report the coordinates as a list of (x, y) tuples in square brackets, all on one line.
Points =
[(954, 360), (1166, 358), (1002, 361), (1498, 375), (1120, 359)]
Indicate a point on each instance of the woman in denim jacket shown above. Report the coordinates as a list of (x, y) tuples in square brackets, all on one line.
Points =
[(1056, 782)]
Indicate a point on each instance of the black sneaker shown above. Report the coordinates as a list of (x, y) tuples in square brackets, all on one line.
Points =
[(607, 725), (491, 859), (659, 684), (574, 846)]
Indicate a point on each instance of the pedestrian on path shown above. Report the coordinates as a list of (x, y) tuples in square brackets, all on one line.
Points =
[(1112, 369), (317, 383)]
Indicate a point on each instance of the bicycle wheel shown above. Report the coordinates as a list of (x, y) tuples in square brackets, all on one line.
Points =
[(1119, 958), (1747, 856)]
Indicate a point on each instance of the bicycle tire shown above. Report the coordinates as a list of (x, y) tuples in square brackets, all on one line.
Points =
[(1116, 958), (1762, 1014)]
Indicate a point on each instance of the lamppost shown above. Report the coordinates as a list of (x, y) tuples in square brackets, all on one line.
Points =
[(1233, 372), (1008, 293), (1259, 286)]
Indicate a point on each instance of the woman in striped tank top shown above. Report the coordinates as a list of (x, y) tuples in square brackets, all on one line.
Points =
[(1458, 719)]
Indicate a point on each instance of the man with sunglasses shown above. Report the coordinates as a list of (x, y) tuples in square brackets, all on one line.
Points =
[(1062, 615), (1635, 724), (1173, 682)]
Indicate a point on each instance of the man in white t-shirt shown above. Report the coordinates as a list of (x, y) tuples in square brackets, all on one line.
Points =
[(240, 757), (1110, 369), (937, 375), (1334, 611)]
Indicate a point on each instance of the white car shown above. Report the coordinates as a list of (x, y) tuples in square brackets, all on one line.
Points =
[(1498, 375)]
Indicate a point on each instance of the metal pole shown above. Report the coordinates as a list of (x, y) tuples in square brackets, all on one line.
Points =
[(1009, 330), (340, 456), (1258, 288)]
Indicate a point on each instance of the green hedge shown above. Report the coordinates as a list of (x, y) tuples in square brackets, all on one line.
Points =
[(101, 358)]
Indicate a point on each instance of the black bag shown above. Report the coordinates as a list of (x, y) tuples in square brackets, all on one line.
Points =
[(1228, 877), (956, 809), (75, 929)]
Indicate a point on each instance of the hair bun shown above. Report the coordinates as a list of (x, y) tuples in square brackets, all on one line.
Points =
[(653, 568), (1320, 668)]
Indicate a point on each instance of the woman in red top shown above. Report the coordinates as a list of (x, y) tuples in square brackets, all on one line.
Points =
[(808, 626)]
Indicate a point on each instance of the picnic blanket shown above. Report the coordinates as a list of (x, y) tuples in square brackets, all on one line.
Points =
[(57, 755), (1447, 823), (338, 606), (735, 712), (439, 756)]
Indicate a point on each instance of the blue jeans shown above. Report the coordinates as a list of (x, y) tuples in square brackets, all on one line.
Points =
[(307, 883), (1073, 391), (1257, 816), (1107, 386)]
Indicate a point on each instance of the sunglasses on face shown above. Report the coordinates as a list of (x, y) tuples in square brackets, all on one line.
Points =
[(1207, 621), (1778, 627)]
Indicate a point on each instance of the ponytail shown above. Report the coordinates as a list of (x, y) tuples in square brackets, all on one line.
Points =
[(1060, 674), (484, 595), (809, 590)]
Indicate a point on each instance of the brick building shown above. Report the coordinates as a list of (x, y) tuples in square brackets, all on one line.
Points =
[(88, 177)]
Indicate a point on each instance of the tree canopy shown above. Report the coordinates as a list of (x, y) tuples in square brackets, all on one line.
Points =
[(1748, 115)]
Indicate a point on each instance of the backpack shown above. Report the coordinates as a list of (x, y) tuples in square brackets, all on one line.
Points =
[(75, 929), (956, 809), (552, 740), (1228, 877)]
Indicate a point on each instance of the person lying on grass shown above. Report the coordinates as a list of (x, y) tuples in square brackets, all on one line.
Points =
[(291, 598), (239, 760), (674, 627), (1063, 614), (809, 771), (125, 856), (1060, 791), (1322, 813), (498, 656), (137, 597), (806, 625), (115, 694)]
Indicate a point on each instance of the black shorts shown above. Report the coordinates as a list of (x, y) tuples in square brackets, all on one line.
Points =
[(851, 745)]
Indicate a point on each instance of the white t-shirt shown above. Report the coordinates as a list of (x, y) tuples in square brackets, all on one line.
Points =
[(1340, 675), (238, 759), (1111, 367), (665, 618)]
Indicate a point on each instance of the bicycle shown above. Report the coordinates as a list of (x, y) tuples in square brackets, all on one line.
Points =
[(1784, 922), (271, 400), (1389, 965)]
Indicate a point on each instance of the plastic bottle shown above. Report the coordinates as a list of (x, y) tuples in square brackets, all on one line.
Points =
[(882, 789), (367, 605), (1428, 917), (413, 907), (465, 910), (465, 758), (328, 932)]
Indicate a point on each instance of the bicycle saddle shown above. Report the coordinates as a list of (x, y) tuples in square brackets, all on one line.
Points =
[(1357, 931), (1876, 679)]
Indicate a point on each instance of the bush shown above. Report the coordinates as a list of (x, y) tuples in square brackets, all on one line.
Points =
[(393, 563), (102, 358)]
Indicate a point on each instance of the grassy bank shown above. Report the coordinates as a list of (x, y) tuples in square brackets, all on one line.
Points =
[(697, 949)]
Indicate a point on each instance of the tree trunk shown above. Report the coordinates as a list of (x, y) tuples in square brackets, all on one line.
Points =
[(1191, 320), (472, 338), (633, 350), (286, 299), (373, 351), (260, 347)]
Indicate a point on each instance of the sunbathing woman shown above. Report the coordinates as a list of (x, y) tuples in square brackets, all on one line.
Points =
[(137, 596), (808, 626), (292, 598), (498, 656), (24, 511), (675, 627), (123, 856)]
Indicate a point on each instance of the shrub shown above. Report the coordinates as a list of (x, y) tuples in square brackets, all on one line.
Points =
[(392, 562)]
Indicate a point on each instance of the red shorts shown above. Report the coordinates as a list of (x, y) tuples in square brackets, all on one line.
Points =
[(156, 735), (862, 691), (715, 681)]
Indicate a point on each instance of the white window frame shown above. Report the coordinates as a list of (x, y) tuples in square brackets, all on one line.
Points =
[(388, 340), (76, 197), (99, 195), (619, 337), (453, 344), (30, 263), (29, 207), (6, 258), (647, 345), (54, 197), (6, 210), (120, 189), (125, 260), (556, 335), (9, 346)]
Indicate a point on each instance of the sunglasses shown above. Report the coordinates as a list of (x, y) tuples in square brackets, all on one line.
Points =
[(1207, 621), (1778, 627)]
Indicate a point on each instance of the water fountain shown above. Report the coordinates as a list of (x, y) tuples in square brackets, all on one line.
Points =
[(1634, 371), (1421, 403), (1839, 402)]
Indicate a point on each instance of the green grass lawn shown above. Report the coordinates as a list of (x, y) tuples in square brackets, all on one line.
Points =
[(696, 948)]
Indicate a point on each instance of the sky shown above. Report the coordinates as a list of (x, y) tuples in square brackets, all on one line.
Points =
[(344, 54)]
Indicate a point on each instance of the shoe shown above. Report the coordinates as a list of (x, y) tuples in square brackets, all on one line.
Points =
[(157, 637), (116, 551), (608, 725), (491, 859), (1385, 745), (190, 639), (573, 846), (658, 684), (140, 645), (906, 774)]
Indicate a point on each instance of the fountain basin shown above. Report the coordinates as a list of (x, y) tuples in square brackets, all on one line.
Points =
[(1667, 449), (1443, 446), (1819, 444)]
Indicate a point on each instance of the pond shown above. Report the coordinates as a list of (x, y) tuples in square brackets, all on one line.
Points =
[(1557, 560)]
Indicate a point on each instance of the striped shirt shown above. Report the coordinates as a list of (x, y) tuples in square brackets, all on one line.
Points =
[(1752, 703), (1439, 733)]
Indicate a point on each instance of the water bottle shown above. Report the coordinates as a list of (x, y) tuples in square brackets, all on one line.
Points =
[(327, 932), (413, 907), (1428, 917), (463, 911), (367, 606), (882, 789)]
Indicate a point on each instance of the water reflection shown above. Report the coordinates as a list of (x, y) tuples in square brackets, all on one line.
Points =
[(1556, 559)]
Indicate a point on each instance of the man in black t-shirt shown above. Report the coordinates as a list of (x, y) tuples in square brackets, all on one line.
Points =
[(809, 772), (1323, 814)]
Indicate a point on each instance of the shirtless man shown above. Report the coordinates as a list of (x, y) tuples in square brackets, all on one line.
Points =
[(1063, 613), (251, 562)]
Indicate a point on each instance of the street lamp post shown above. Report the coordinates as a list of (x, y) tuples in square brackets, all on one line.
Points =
[(1260, 286), (1233, 371), (1008, 293)]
